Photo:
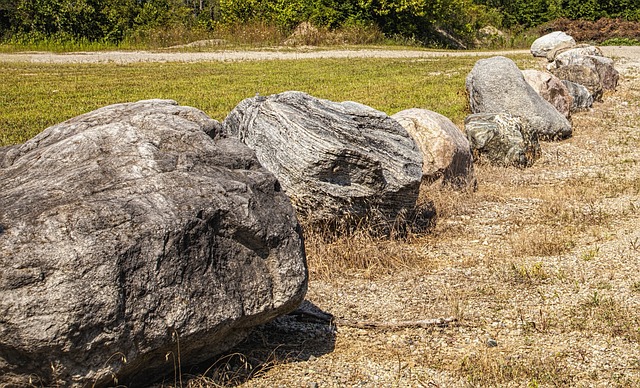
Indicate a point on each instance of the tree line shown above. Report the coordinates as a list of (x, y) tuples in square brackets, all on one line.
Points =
[(422, 20)]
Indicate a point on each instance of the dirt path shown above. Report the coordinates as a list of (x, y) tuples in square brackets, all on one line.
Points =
[(123, 57)]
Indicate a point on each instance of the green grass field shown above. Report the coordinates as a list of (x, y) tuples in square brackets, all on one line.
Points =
[(35, 96)]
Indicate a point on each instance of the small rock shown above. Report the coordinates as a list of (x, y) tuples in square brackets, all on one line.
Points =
[(492, 343)]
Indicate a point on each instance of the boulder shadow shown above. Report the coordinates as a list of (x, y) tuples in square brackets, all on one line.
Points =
[(301, 335)]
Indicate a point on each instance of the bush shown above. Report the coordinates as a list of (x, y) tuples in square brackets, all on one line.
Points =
[(596, 31)]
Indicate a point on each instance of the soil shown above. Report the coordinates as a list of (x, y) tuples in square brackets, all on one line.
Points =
[(124, 57)]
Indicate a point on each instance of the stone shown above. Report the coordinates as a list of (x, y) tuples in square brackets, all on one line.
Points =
[(502, 139), (490, 36), (551, 88), (562, 47), (130, 237), (546, 43), (334, 160), (603, 66), (304, 34), (496, 85), (446, 150), (565, 54), (582, 99), (581, 75)]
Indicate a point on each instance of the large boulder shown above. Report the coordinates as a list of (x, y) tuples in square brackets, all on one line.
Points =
[(496, 85), (551, 89), (581, 97), (502, 139), (562, 47), (447, 155), (546, 43), (130, 240), (564, 54), (603, 66), (334, 160), (581, 75)]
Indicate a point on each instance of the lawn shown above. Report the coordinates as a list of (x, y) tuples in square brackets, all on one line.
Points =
[(35, 96)]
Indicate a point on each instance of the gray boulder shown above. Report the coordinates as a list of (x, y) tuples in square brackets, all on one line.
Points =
[(582, 99), (446, 150), (129, 238), (565, 54), (546, 43), (607, 73), (562, 47), (334, 160), (496, 85), (581, 75), (502, 139), (551, 89)]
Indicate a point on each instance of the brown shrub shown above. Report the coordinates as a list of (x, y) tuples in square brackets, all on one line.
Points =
[(595, 31)]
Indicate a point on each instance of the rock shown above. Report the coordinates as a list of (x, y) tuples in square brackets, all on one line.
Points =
[(562, 47), (446, 150), (582, 99), (603, 66), (566, 54), (130, 238), (496, 85), (581, 75), (546, 43), (334, 160), (304, 34), (490, 36), (551, 88), (504, 140)]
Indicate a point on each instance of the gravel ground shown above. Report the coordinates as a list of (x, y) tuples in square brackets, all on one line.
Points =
[(124, 57)]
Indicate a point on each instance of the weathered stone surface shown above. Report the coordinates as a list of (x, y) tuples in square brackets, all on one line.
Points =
[(551, 88), (609, 76), (130, 236), (582, 99), (504, 140), (544, 44), (564, 54), (446, 150), (496, 85), (332, 159), (490, 36), (581, 75), (562, 47)]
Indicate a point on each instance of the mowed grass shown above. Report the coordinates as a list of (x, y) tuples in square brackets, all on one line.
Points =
[(35, 96)]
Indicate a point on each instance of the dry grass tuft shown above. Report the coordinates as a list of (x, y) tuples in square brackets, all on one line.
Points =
[(491, 367)]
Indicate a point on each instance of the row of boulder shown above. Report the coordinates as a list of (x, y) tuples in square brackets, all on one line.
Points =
[(513, 109), (143, 231)]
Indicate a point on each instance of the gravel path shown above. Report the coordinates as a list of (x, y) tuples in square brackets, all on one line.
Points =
[(124, 57)]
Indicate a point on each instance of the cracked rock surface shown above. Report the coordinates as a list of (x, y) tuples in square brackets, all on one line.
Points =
[(130, 236)]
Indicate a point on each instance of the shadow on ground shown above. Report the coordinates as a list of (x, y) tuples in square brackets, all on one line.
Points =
[(299, 336)]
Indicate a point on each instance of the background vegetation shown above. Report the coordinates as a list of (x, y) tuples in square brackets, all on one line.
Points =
[(452, 23)]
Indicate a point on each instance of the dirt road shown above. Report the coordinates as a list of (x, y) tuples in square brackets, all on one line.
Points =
[(123, 57)]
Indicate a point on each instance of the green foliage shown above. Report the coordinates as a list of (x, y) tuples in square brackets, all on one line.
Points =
[(433, 22), (621, 42)]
